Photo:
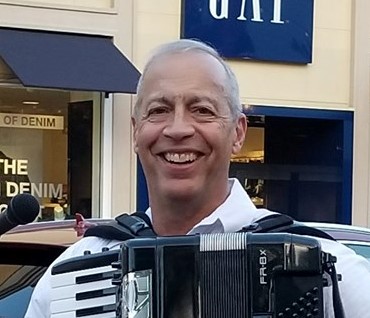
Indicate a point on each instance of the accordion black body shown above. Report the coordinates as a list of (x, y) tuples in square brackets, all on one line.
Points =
[(230, 275), (239, 275)]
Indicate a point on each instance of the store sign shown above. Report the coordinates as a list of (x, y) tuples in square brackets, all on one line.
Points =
[(14, 180), (272, 30), (31, 121)]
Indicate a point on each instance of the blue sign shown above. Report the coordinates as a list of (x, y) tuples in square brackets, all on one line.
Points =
[(270, 30)]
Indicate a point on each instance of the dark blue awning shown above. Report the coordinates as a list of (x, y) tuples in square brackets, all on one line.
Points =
[(67, 61)]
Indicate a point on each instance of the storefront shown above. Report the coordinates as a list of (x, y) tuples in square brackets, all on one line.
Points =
[(327, 70), (298, 161), (53, 91), (293, 63)]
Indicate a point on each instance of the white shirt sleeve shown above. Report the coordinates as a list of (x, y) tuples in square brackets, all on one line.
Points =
[(355, 283), (39, 306)]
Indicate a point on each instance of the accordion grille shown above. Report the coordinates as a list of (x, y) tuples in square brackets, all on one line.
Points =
[(223, 276)]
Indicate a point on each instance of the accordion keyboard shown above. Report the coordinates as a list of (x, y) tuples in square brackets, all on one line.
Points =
[(82, 287)]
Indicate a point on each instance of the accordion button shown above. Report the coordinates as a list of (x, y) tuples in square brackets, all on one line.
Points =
[(308, 295)]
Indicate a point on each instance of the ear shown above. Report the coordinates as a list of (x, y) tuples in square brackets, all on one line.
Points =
[(241, 130), (134, 129)]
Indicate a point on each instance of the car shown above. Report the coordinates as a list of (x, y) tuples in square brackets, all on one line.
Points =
[(26, 252), (355, 237)]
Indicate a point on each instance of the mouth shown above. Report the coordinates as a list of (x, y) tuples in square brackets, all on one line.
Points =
[(180, 158)]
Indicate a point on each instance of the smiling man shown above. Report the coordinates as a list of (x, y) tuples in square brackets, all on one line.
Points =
[(185, 130), (187, 123)]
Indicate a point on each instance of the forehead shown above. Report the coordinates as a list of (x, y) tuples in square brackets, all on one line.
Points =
[(186, 68)]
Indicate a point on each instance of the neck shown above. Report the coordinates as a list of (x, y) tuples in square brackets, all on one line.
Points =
[(178, 216)]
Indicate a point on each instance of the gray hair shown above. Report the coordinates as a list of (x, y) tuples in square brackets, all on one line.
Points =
[(182, 46)]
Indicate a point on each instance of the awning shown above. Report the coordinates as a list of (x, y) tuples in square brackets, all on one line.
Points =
[(67, 61)]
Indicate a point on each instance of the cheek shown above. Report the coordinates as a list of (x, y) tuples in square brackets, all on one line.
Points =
[(221, 137), (145, 135)]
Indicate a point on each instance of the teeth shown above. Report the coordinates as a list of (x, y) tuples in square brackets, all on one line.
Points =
[(180, 158)]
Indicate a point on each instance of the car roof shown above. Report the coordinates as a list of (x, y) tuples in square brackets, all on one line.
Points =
[(343, 231), (50, 232), (339, 226)]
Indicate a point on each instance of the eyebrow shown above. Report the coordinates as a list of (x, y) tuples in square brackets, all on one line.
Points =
[(160, 99), (188, 100), (197, 99)]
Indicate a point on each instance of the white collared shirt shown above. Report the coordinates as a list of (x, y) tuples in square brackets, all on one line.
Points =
[(236, 212)]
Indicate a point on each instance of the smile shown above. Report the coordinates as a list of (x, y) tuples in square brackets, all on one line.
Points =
[(188, 157)]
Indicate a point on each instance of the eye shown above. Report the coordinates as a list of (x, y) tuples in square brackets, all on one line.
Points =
[(203, 110), (156, 113), (158, 110)]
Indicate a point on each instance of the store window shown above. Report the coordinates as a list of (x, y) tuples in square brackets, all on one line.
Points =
[(49, 141), (298, 162)]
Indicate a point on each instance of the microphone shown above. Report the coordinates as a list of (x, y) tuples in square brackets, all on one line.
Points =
[(22, 209)]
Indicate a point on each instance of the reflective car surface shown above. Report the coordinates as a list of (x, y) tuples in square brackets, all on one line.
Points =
[(355, 237), (25, 254)]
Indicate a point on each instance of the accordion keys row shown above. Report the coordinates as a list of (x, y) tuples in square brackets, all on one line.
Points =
[(82, 287)]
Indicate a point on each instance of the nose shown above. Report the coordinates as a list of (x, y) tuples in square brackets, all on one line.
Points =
[(180, 125)]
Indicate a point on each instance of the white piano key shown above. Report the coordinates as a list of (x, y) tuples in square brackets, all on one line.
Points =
[(70, 278), (71, 304), (72, 314), (69, 291)]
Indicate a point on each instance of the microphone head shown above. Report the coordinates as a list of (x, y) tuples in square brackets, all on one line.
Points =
[(23, 208)]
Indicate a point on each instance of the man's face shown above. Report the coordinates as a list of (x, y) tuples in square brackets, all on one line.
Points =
[(185, 133)]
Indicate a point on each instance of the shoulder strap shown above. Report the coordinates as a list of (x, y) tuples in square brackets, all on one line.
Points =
[(278, 222), (124, 227)]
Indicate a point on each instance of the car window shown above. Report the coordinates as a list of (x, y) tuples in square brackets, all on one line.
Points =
[(363, 250), (16, 285), (21, 266)]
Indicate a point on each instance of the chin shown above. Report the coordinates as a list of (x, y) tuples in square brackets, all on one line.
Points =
[(180, 191)]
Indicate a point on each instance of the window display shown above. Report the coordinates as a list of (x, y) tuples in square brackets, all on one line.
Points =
[(45, 146)]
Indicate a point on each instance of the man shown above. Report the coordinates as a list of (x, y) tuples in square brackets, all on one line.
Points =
[(187, 123)]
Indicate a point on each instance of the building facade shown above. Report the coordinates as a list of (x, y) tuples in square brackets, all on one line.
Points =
[(307, 149)]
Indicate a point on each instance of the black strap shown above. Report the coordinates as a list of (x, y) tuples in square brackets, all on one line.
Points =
[(277, 222), (329, 267), (124, 227)]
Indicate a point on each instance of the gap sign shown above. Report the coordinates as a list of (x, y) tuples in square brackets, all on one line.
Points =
[(270, 30)]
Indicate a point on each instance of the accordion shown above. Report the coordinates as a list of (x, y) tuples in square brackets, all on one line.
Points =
[(239, 275)]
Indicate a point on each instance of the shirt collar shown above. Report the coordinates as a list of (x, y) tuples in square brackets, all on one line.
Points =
[(237, 210)]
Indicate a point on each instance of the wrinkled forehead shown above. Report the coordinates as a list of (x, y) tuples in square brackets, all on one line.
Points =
[(192, 71), (186, 64)]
